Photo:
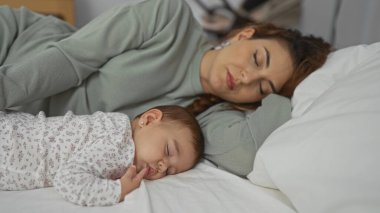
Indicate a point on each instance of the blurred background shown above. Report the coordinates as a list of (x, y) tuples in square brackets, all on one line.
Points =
[(341, 22)]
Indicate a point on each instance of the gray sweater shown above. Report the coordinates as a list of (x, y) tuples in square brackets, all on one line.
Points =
[(127, 60)]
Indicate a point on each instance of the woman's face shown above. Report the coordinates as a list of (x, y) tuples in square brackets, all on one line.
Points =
[(247, 70)]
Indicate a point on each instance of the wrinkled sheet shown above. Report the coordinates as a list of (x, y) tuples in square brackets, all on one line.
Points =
[(202, 189)]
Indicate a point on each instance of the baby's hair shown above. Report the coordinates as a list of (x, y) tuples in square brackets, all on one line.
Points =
[(179, 115)]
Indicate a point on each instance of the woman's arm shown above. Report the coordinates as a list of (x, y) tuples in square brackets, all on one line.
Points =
[(233, 137), (67, 63), (28, 69)]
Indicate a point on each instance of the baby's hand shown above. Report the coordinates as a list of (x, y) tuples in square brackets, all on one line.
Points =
[(131, 180)]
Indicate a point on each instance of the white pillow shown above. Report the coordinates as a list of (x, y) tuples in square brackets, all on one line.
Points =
[(327, 157), (339, 64)]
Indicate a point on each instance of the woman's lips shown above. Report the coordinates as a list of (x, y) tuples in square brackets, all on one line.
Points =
[(230, 81)]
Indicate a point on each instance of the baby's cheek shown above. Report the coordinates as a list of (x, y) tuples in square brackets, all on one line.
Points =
[(157, 176)]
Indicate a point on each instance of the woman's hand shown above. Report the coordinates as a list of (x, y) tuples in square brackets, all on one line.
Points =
[(131, 180)]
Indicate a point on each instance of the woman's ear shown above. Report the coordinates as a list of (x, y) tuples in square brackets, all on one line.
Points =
[(150, 116), (244, 34)]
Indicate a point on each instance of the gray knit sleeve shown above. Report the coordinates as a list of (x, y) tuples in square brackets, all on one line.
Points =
[(232, 137)]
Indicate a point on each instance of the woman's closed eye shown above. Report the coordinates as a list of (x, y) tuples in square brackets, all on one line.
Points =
[(266, 87), (261, 90), (255, 59)]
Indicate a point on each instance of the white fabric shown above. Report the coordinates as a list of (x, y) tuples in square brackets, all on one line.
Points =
[(326, 158), (202, 189), (338, 65)]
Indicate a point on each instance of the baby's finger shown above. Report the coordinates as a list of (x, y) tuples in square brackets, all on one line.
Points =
[(141, 174)]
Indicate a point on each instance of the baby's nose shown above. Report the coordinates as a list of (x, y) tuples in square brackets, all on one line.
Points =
[(162, 167)]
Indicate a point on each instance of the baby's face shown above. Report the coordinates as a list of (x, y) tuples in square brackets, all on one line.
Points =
[(164, 148)]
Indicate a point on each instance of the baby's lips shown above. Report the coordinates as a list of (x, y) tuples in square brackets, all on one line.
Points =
[(146, 172)]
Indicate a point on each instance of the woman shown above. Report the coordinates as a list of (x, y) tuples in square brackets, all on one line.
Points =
[(132, 58)]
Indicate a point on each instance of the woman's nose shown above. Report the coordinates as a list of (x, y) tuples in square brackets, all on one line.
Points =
[(249, 76)]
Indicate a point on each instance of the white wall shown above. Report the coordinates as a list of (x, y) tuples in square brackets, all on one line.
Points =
[(317, 17), (86, 10), (356, 22)]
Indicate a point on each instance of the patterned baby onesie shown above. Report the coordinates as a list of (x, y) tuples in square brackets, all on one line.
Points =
[(81, 156)]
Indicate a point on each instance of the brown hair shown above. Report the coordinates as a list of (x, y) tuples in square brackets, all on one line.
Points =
[(179, 115), (308, 53)]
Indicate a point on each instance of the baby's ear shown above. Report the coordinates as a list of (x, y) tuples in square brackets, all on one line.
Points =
[(152, 115)]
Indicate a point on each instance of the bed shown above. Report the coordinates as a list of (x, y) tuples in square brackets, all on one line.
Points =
[(324, 159)]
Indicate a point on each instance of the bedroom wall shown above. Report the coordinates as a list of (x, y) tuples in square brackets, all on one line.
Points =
[(88, 9), (85, 10), (342, 22), (358, 22)]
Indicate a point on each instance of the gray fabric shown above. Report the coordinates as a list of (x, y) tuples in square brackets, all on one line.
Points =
[(233, 137), (127, 60), (25, 34)]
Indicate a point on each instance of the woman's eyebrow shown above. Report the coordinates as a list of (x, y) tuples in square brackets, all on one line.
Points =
[(268, 57)]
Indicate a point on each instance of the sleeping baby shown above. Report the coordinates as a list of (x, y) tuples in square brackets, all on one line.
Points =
[(96, 159)]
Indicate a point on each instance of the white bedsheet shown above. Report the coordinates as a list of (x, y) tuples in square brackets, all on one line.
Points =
[(202, 189)]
